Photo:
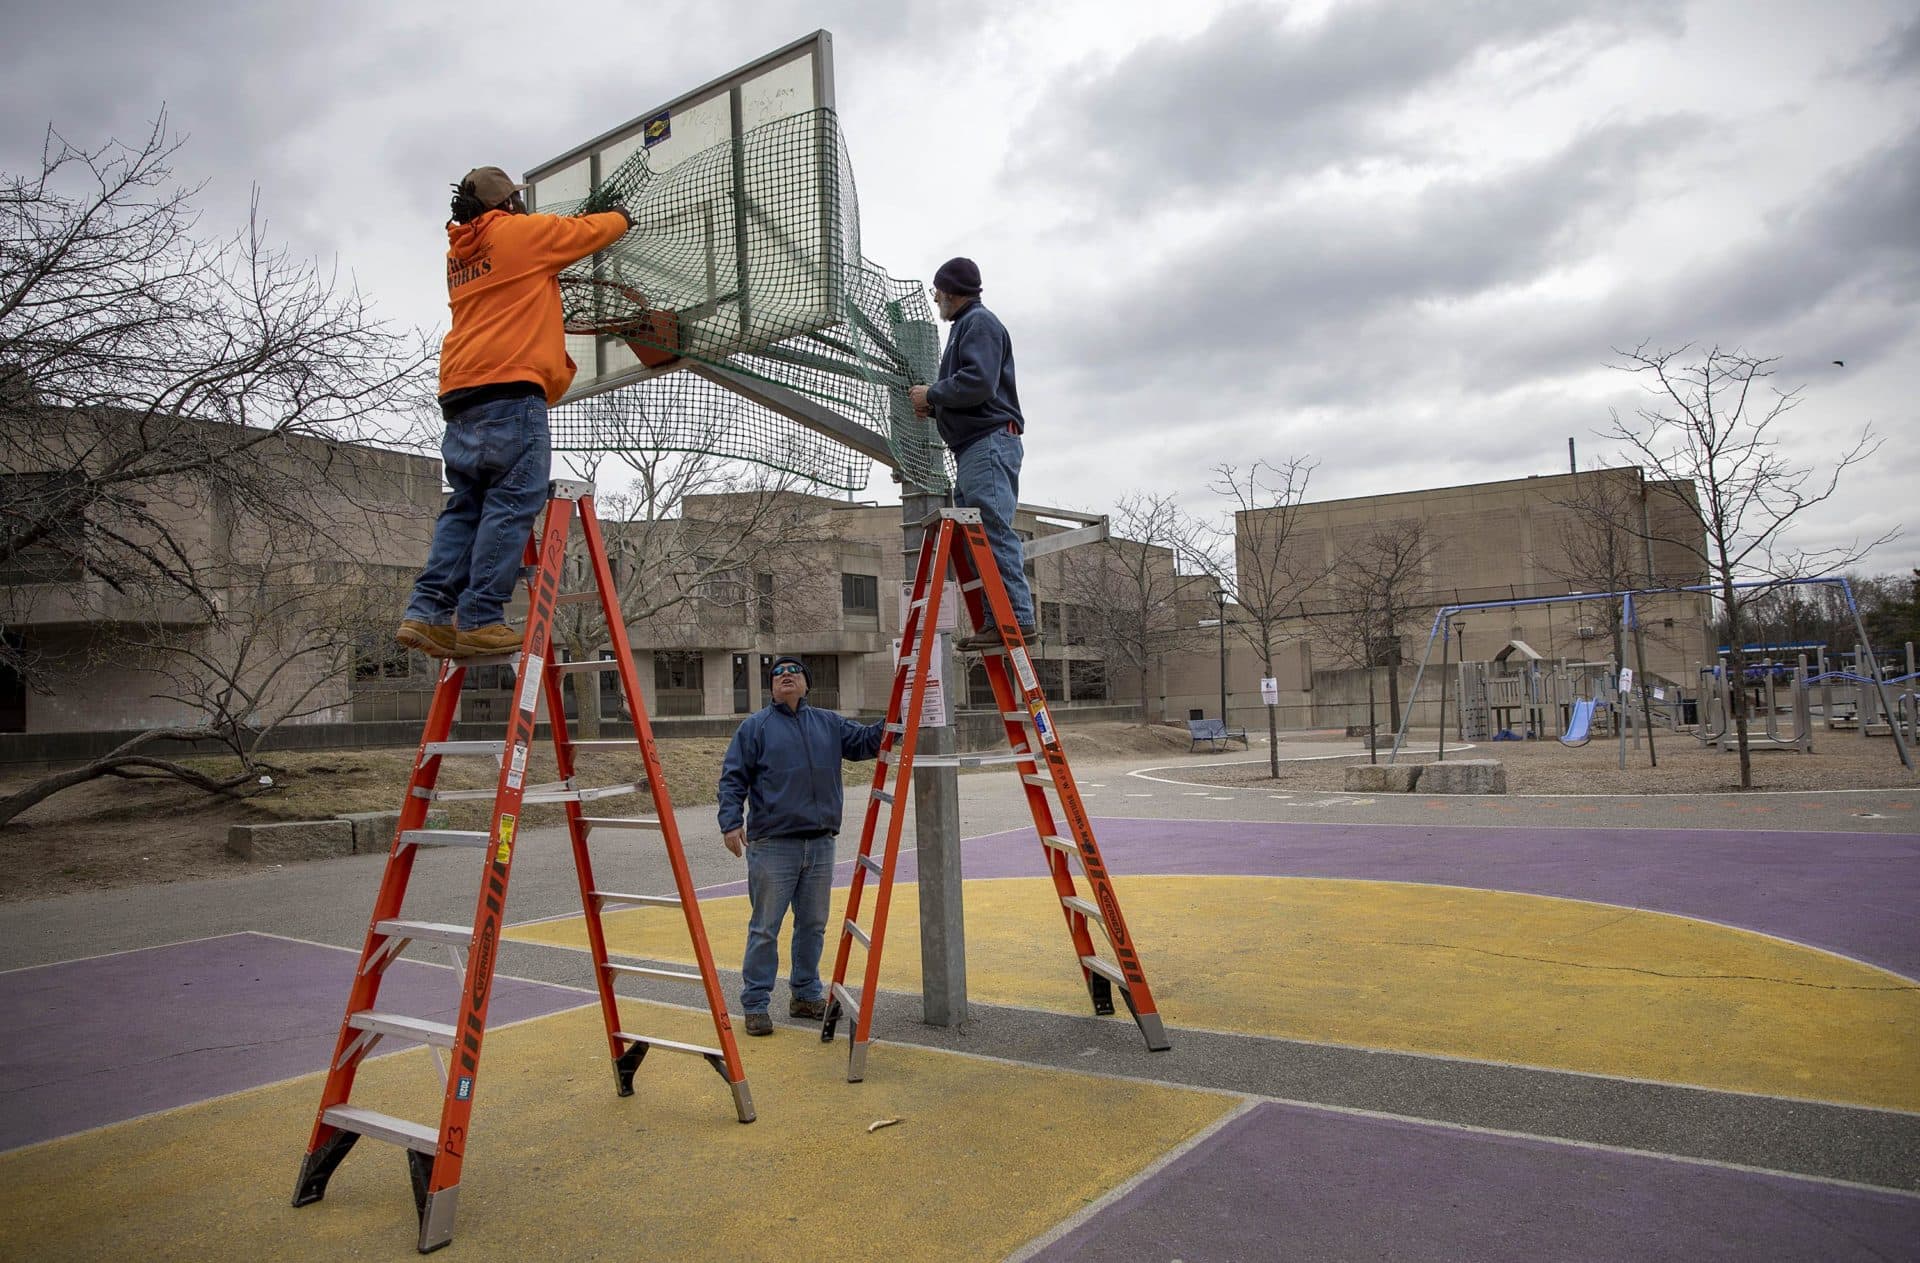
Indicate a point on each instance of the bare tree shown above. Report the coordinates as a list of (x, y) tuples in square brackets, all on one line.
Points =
[(1128, 588), (280, 651), (149, 377), (1261, 564), (1378, 582), (1711, 437)]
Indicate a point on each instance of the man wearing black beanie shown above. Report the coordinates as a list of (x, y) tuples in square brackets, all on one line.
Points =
[(976, 406), (780, 803)]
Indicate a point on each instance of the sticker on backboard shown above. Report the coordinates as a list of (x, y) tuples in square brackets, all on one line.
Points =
[(657, 129), (1023, 668), (517, 769), (530, 683), (1043, 723)]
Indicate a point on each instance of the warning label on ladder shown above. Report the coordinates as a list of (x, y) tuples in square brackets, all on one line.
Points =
[(1023, 667), (530, 683)]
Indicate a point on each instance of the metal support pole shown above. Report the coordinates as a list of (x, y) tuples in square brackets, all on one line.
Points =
[(1220, 595), (1446, 641), (1879, 681), (936, 814)]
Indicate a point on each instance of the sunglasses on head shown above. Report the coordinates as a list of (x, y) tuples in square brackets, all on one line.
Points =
[(789, 668)]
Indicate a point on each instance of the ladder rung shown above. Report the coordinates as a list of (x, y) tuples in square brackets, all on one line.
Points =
[(621, 822), (444, 837), (395, 1131), (607, 743), (848, 1005), (905, 662), (854, 929), (418, 1029), (1016, 716), (670, 1045), (869, 863), (609, 899), (436, 931), (1066, 846), (1083, 907), (883, 795), (494, 748), (972, 760), (920, 604), (972, 585), (509, 659), (648, 971), (577, 598), (1044, 782), (1110, 972), (585, 664), (545, 795), (899, 730)]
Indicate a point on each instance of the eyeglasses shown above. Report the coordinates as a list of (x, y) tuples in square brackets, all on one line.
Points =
[(788, 668)]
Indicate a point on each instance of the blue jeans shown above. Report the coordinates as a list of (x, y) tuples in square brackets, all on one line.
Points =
[(987, 478), (497, 462), (782, 872)]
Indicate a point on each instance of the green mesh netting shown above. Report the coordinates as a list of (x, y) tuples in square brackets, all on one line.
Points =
[(746, 257)]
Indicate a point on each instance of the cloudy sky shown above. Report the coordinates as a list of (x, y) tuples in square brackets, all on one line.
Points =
[(1402, 239)]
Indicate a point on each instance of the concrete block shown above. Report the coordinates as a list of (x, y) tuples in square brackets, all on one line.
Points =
[(1383, 778), (297, 840), (372, 830), (1464, 776)]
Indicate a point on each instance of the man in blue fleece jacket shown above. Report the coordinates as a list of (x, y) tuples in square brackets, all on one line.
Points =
[(976, 406), (784, 767)]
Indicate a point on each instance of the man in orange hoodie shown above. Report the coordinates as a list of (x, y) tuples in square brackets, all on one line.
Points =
[(503, 364)]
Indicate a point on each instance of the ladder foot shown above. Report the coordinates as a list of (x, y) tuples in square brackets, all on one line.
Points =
[(743, 1101), (1102, 992), (1155, 1033), (626, 1064), (436, 1209), (318, 1167), (856, 1061), (831, 1020)]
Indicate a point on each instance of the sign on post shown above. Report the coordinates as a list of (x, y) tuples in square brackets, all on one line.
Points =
[(1626, 680), (1270, 690), (933, 705)]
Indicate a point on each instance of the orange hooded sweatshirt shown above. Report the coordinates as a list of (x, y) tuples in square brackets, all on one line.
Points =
[(502, 284)]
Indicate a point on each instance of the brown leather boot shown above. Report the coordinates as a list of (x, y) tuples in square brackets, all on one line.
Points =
[(436, 640), (497, 638)]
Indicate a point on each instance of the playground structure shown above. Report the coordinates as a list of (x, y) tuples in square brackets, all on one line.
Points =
[(1519, 695), (1848, 700), (1764, 685), (1524, 690)]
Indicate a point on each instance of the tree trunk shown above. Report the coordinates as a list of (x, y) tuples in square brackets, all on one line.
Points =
[(1373, 727)]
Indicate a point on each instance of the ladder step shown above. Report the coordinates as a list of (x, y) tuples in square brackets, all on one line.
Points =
[(493, 748), (854, 929), (378, 1126), (1084, 907), (648, 971), (669, 1045), (418, 1029), (444, 837), (621, 822), (607, 743), (433, 931), (972, 585), (1066, 846), (554, 792), (577, 598), (585, 664), (869, 863), (1016, 716), (906, 662), (608, 899), (1044, 782), (848, 1005), (898, 730), (509, 659), (1110, 972), (971, 760), (883, 795)]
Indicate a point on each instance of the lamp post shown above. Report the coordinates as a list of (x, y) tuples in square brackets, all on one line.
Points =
[(1220, 598)]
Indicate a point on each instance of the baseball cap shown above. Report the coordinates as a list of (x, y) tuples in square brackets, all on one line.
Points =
[(491, 185)]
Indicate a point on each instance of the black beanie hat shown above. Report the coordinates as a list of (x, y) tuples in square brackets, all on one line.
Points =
[(958, 276), (787, 657)]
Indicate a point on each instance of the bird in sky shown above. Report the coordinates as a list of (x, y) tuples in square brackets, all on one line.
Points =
[(1841, 363)]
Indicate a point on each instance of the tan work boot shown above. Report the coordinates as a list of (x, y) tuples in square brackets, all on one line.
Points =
[(497, 638), (436, 640)]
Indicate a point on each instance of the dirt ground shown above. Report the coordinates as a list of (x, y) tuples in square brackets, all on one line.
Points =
[(1841, 760), (113, 832)]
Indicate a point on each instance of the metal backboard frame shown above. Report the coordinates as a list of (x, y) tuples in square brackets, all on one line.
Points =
[(794, 80)]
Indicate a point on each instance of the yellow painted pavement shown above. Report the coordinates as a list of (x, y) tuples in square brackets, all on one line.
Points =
[(986, 1156), (1471, 973)]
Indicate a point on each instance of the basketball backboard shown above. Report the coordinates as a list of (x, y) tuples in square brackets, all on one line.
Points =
[(746, 246)]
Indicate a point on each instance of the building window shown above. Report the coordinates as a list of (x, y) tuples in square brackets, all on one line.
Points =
[(860, 594), (679, 683), (375, 657), (1050, 619), (763, 587), (1048, 670)]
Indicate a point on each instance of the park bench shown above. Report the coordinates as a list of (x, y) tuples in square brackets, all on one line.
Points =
[(1215, 732)]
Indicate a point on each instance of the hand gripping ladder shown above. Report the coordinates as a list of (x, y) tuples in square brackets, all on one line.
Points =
[(434, 1152), (957, 536)]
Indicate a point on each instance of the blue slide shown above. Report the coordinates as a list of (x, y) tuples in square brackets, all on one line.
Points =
[(1576, 733)]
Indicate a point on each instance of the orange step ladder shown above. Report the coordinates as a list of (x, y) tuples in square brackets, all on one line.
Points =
[(956, 536), (435, 1151)]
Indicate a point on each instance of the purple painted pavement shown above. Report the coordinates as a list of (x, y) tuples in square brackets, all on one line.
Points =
[(1289, 1182), (1852, 893), (91, 1042)]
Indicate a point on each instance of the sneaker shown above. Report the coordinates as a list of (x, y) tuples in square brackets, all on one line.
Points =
[(497, 638), (812, 1010), (759, 1023), (436, 640), (990, 638)]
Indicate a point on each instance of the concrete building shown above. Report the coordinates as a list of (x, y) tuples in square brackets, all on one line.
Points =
[(1549, 536)]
